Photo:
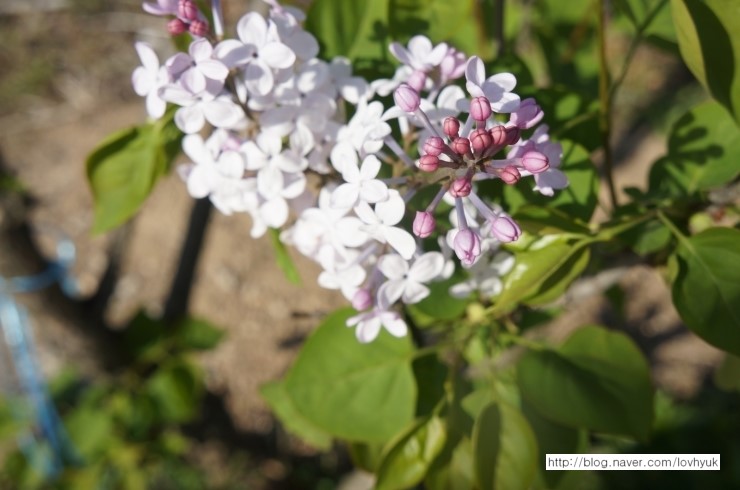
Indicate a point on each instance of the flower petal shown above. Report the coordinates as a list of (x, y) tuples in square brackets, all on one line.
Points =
[(427, 267), (393, 266), (401, 240)]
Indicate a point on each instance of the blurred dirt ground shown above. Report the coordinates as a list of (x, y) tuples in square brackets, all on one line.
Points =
[(65, 86)]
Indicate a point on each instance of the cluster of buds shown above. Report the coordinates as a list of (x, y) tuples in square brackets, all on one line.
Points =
[(277, 112), (185, 16)]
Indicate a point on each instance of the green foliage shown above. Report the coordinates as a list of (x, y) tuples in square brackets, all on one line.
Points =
[(123, 169), (597, 380), (284, 260), (706, 286), (710, 46), (361, 392)]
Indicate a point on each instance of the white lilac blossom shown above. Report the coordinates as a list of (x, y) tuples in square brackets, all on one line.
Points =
[(276, 113)]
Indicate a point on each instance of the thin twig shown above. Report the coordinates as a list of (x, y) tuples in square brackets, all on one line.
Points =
[(605, 106)]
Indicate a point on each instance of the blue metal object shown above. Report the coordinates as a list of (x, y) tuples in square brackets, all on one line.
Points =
[(45, 444)]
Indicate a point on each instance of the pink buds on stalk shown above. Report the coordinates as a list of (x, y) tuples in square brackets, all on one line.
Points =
[(461, 187), (424, 224), (480, 109), (417, 80), (505, 229), (434, 145), (198, 28), (480, 140), (510, 175), (407, 98), (187, 9), (467, 246), (176, 26), (461, 146), (498, 136), (428, 163), (451, 127), (535, 162), (362, 300)]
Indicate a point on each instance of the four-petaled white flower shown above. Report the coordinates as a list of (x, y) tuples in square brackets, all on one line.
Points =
[(485, 276), (360, 185), (369, 323), (149, 78), (407, 283), (420, 55), (380, 224), (497, 88)]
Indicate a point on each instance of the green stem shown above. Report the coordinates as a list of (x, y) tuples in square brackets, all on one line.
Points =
[(671, 226), (605, 107)]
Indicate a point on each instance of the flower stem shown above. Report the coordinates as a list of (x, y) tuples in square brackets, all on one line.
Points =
[(605, 106)]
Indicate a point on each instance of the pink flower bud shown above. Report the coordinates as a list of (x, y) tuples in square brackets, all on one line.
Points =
[(528, 114), (428, 163), (461, 187), (480, 140), (512, 134), (417, 80), (406, 98), (535, 162), (498, 135), (505, 229), (461, 146), (186, 9), (467, 246), (362, 299), (434, 146), (176, 26), (198, 28), (480, 109), (451, 127), (510, 174), (424, 224)]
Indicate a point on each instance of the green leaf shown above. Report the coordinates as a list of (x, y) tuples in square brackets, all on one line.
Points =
[(710, 45), (505, 449), (706, 287), (440, 305), (703, 152), (357, 29), (123, 169), (366, 456), (283, 406), (354, 391), (198, 334), (284, 260), (547, 221), (407, 459), (727, 375), (648, 237), (430, 374), (542, 272), (91, 431), (571, 115), (176, 388), (457, 473), (578, 200), (598, 379), (143, 337)]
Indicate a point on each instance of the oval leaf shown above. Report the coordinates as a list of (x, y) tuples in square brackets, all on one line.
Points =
[(359, 392), (598, 379), (706, 287)]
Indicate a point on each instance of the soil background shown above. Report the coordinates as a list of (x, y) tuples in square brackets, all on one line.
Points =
[(65, 85)]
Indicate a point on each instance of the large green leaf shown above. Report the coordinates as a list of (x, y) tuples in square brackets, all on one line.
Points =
[(354, 391), (598, 379), (703, 152), (357, 29), (505, 449), (123, 169), (176, 388), (578, 200), (283, 406), (406, 461), (710, 45), (706, 286)]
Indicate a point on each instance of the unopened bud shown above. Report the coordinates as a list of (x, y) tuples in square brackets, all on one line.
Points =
[(187, 9), (198, 28), (406, 98), (417, 80), (424, 224), (434, 146), (480, 109), (535, 162), (510, 174), (480, 140), (176, 26), (505, 229), (498, 135), (461, 146), (451, 127), (467, 246), (428, 163), (461, 187), (528, 114), (362, 300), (512, 134)]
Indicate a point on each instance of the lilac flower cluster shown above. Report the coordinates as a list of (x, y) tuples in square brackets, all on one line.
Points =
[(276, 115)]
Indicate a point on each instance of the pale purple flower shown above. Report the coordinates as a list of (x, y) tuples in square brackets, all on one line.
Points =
[(421, 54), (369, 323), (497, 88), (149, 78), (198, 72), (161, 7), (552, 178), (527, 115), (360, 184), (485, 276), (380, 224), (408, 282)]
